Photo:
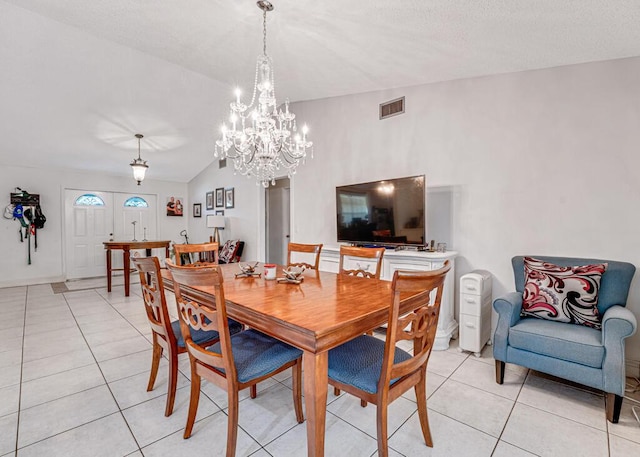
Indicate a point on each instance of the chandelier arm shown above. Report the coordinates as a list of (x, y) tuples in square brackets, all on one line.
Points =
[(289, 155)]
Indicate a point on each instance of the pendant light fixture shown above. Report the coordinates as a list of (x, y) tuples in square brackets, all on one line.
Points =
[(138, 165)]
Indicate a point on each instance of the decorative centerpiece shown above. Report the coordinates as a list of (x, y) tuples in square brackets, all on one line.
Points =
[(292, 275), (248, 271)]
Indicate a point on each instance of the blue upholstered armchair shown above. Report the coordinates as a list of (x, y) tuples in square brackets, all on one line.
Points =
[(588, 356)]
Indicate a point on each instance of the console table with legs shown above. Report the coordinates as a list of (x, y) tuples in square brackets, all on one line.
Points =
[(126, 247)]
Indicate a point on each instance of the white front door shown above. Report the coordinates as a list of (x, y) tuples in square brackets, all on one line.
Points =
[(129, 208), (94, 217), (143, 216), (89, 222)]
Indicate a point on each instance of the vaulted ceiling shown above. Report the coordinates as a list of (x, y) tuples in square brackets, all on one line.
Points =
[(79, 78)]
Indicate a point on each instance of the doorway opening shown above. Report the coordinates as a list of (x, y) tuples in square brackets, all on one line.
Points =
[(278, 221)]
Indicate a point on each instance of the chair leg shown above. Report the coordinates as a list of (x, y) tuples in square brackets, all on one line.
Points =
[(499, 372), (363, 403), (421, 398), (193, 403), (614, 405), (336, 391), (173, 382), (383, 447), (253, 391), (232, 424), (297, 390), (155, 363)]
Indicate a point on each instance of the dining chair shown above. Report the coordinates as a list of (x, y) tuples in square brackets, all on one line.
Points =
[(235, 362), (313, 249), (166, 334), (350, 254), (377, 371), (205, 253)]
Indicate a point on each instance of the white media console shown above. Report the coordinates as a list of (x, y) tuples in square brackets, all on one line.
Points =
[(412, 260)]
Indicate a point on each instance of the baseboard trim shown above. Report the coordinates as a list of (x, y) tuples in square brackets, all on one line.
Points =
[(30, 281)]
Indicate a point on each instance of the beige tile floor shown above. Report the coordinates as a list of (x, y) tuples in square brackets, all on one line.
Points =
[(74, 369)]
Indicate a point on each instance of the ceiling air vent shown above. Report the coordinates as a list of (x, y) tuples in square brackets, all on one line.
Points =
[(222, 163), (392, 108)]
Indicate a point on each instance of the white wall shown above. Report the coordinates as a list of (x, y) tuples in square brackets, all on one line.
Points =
[(47, 262), (243, 222), (542, 162)]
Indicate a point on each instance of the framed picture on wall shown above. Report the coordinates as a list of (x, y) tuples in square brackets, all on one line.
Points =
[(220, 197), (174, 206), (210, 200), (219, 212), (197, 210), (229, 198)]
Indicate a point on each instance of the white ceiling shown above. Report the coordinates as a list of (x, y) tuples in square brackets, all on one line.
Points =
[(81, 77)]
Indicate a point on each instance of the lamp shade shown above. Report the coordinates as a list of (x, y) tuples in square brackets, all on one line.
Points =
[(214, 221), (139, 170)]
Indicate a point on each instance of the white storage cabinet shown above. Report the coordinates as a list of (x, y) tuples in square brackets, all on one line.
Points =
[(475, 311)]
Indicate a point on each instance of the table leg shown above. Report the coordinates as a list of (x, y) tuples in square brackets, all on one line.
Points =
[(127, 274), (108, 270), (315, 398)]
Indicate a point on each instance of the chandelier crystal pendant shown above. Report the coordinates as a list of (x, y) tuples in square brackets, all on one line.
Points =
[(263, 140), (138, 165)]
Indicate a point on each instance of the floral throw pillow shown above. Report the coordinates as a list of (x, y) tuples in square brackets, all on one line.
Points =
[(562, 294), (228, 251)]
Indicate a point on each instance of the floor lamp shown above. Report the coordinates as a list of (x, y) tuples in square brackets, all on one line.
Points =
[(215, 222)]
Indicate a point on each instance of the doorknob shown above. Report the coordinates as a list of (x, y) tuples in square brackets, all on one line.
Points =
[(287, 236)]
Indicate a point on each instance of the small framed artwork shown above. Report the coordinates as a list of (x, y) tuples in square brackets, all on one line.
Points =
[(210, 200), (197, 210), (220, 197), (219, 212), (174, 206), (228, 198)]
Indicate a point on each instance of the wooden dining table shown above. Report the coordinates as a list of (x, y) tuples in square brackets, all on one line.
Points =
[(322, 312)]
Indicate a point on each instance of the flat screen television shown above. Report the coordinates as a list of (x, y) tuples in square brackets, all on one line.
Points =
[(389, 212)]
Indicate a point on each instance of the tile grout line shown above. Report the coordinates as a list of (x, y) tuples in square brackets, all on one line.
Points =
[(515, 401), (102, 373), (165, 357), (24, 324)]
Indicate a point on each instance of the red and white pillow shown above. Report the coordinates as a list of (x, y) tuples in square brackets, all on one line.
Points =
[(228, 251), (562, 294)]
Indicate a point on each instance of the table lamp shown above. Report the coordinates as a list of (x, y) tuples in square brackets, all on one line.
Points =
[(215, 222)]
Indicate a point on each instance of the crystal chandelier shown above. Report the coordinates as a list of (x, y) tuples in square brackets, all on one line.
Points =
[(262, 140), (138, 165)]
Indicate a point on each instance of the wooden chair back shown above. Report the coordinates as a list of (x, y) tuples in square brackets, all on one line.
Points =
[(313, 249), (200, 317), (422, 291), (155, 303), (203, 253), (362, 253)]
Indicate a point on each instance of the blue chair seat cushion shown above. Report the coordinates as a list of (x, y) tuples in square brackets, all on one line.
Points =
[(256, 354), (573, 343), (359, 362), (202, 336)]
